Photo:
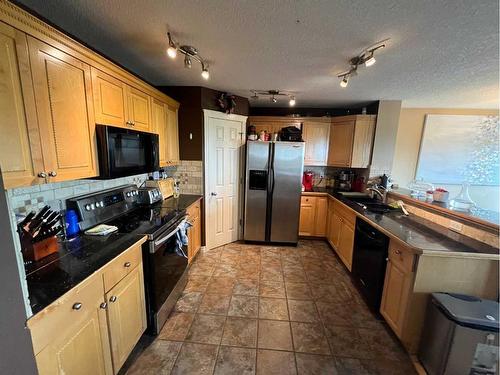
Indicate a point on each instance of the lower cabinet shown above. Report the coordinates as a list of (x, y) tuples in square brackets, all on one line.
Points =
[(398, 287), (126, 315), (313, 213), (89, 331), (194, 233), (340, 233)]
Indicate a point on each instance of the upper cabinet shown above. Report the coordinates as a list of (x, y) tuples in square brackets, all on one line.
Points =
[(20, 154), (53, 91), (119, 104), (351, 141), (64, 106), (316, 134)]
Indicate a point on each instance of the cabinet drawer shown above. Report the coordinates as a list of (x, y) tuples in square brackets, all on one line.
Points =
[(71, 309), (401, 257), (307, 200), (194, 210), (121, 266), (345, 213)]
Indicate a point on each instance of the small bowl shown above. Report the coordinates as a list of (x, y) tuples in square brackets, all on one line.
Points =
[(441, 196)]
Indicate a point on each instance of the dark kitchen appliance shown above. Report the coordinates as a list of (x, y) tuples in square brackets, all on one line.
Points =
[(345, 180), (369, 262), (460, 335), (165, 271), (291, 134), (273, 189), (125, 152)]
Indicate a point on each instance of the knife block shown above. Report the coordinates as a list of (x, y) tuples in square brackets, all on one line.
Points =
[(35, 251)]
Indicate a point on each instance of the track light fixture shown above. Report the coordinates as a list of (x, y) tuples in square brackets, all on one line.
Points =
[(273, 96), (366, 57), (190, 53)]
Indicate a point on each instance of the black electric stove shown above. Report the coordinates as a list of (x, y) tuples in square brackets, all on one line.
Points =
[(165, 265)]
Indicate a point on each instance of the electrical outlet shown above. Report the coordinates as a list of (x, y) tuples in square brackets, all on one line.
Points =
[(455, 226)]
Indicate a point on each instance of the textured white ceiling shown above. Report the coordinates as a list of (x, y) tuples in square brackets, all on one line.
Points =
[(442, 53)]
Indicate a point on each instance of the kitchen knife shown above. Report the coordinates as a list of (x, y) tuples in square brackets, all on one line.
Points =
[(38, 219), (27, 219)]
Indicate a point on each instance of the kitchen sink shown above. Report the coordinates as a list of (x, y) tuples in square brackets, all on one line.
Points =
[(373, 205)]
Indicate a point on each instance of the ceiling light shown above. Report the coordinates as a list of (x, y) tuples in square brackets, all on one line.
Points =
[(273, 99), (190, 53), (344, 82), (292, 101), (187, 62), (205, 73), (274, 95), (172, 52), (370, 61)]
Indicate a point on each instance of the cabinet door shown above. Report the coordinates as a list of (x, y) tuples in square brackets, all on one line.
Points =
[(329, 228), (139, 109), (397, 288), (172, 136), (109, 99), (159, 117), (20, 153), (316, 135), (126, 315), (340, 151), (71, 335), (320, 226), (363, 143), (65, 112), (336, 228), (346, 244), (307, 216)]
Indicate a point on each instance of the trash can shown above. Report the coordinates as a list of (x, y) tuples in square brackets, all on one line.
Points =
[(460, 335)]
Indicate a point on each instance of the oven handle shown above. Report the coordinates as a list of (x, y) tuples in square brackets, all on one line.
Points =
[(164, 239)]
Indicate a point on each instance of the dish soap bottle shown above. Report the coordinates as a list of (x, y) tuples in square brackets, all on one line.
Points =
[(176, 191)]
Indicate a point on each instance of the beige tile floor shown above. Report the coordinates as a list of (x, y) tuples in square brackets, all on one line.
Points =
[(251, 309)]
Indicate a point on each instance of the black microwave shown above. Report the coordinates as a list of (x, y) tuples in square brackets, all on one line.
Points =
[(125, 152)]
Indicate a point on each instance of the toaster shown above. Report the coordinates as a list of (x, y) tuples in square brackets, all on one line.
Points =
[(149, 195)]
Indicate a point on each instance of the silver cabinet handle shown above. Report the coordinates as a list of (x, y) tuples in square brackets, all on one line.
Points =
[(42, 175), (52, 173), (133, 123), (127, 264), (77, 306), (398, 252), (113, 299), (103, 305), (213, 194)]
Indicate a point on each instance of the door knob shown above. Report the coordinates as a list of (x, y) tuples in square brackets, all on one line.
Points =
[(42, 175), (52, 173), (213, 194)]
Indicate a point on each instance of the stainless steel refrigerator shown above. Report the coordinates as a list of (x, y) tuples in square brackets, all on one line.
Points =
[(273, 188)]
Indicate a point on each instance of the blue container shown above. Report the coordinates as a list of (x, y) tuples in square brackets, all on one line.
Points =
[(72, 227)]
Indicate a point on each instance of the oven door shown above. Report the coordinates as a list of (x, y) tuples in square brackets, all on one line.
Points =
[(167, 269)]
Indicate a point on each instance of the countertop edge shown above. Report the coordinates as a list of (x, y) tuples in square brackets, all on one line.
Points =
[(415, 250)]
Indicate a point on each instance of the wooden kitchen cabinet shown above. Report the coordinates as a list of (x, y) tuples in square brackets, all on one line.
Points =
[(172, 135), (20, 152), (351, 141), (316, 134), (126, 315), (63, 96), (398, 286), (71, 335), (272, 124), (159, 118), (346, 243), (313, 216), (93, 327), (119, 104), (341, 222), (194, 233)]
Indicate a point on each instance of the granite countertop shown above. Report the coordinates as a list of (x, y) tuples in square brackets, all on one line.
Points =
[(181, 203), (421, 235), (51, 277)]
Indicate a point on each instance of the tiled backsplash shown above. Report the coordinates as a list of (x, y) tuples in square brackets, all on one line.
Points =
[(25, 199), (190, 175)]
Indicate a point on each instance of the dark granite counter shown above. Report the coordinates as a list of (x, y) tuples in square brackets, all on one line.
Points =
[(422, 235), (181, 203), (52, 276)]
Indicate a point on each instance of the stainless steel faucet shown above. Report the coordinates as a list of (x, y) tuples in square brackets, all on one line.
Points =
[(380, 191)]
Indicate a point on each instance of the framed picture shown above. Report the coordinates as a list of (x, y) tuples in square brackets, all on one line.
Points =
[(459, 148)]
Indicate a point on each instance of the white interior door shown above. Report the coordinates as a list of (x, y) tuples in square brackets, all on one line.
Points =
[(224, 138)]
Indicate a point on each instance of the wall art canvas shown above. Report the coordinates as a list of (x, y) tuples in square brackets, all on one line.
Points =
[(460, 148)]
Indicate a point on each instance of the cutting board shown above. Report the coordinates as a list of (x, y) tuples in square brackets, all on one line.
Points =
[(166, 186)]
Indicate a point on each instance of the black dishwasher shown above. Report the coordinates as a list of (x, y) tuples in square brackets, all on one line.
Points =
[(369, 262)]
